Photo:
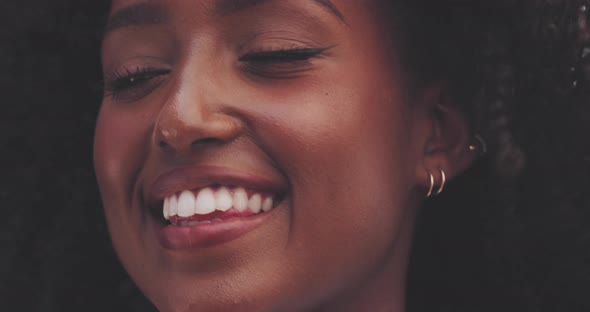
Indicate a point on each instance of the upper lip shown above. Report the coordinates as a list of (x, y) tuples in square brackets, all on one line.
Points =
[(197, 177)]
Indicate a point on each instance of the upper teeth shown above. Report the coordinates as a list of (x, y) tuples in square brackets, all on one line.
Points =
[(207, 200)]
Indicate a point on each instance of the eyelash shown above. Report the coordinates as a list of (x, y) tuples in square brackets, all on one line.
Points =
[(283, 55), (280, 64), (129, 80), (127, 84)]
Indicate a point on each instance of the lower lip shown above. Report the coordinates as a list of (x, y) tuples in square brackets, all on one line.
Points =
[(209, 234)]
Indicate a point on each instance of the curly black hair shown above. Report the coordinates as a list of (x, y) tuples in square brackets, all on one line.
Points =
[(511, 234)]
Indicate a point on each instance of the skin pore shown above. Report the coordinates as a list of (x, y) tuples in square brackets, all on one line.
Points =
[(306, 95)]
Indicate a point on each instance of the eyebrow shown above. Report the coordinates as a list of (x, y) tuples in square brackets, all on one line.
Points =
[(149, 13), (327, 4), (226, 7), (145, 13)]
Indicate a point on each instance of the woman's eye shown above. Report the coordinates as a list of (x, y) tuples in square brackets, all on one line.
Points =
[(281, 64), (292, 55), (133, 84)]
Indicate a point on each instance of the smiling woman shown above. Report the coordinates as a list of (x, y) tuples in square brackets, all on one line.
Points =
[(282, 155), (274, 155)]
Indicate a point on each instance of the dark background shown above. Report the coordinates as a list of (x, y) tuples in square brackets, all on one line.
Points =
[(54, 250)]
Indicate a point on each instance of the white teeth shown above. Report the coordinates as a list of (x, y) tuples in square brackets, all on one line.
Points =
[(205, 203), (167, 208), (186, 204), (223, 200), (255, 203), (240, 199), (267, 204), (173, 208)]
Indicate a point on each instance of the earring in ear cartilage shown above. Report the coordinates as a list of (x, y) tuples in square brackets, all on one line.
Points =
[(431, 177), (442, 182), (481, 145)]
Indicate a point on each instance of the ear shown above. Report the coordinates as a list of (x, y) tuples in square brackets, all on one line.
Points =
[(447, 139)]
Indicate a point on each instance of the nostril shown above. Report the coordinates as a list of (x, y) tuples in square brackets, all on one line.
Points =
[(206, 141), (163, 144), (194, 145)]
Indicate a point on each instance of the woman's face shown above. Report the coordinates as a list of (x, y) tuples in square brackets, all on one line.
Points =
[(275, 137)]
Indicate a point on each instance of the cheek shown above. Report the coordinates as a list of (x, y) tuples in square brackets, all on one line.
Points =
[(119, 147), (119, 151), (352, 173), (348, 167), (342, 147)]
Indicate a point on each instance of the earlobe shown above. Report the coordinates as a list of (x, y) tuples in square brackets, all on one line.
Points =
[(449, 146)]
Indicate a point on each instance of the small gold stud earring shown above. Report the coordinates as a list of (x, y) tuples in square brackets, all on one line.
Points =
[(479, 145)]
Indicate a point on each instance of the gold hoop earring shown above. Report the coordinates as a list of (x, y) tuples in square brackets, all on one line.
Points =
[(442, 182), (431, 177)]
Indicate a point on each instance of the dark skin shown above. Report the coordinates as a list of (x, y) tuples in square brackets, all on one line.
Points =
[(336, 127)]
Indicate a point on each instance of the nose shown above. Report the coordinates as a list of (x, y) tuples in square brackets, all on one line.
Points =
[(193, 116)]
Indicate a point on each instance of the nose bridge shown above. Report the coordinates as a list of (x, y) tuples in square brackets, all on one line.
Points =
[(193, 113)]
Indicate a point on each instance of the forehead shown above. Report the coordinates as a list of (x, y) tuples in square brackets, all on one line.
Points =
[(222, 5), (118, 4)]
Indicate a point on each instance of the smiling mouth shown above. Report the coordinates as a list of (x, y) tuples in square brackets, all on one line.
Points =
[(215, 204), (205, 206), (211, 216)]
